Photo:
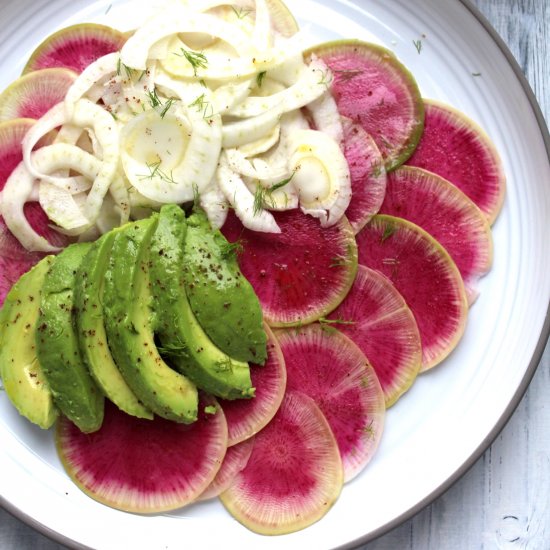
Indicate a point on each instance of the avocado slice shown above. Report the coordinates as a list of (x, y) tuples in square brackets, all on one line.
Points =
[(221, 298), (128, 320), (21, 373), (184, 342), (92, 339), (74, 391)]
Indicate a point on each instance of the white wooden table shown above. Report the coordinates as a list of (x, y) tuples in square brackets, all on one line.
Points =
[(503, 502)]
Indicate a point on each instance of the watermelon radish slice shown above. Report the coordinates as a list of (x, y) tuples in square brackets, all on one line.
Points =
[(376, 317), (144, 466), (456, 148), (448, 215), (245, 417), (33, 94), (294, 473), (300, 274), (236, 458), (326, 365), (75, 47), (372, 87), (367, 172), (425, 275)]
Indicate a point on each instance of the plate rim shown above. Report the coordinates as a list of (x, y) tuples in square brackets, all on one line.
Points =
[(505, 416), (544, 337)]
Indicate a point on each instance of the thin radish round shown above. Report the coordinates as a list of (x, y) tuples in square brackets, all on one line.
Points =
[(456, 148), (245, 417), (425, 275), (448, 215), (372, 87), (33, 94), (368, 174), (300, 274), (327, 366), (145, 466), (376, 317), (75, 47), (294, 474), (234, 461)]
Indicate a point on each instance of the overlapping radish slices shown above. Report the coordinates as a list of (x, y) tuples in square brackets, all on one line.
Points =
[(364, 268)]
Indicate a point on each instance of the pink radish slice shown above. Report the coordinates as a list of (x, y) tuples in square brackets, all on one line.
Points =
[(34, 94), (326, 365), (144, 466), (300, 274), (294, 473), (376, 317), (456, 148), (245, 417), (372, 87), (425, 275), (368, 174), (236, 458), (75, 47), (448, 215)]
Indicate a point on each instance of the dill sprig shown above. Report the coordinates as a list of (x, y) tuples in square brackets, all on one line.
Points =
[(173, 349), (230, 250), (197, 60), (376, 169), (155, 171), (128, 70), (337, 321), (326, 78), (418, 45), (224, 365), (240, 12), (155, 101), (264, 194), (339, 261), (201, 104), (347, 74), (153, 97), (389, 230), (166, 107), (260, 78)]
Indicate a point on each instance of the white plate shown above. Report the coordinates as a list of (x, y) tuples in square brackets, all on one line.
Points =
[(453, 412)]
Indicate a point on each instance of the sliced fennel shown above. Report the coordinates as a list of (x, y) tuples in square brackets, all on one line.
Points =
[(203, 103)]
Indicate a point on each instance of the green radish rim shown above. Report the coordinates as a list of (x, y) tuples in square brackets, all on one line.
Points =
[(397, 154)]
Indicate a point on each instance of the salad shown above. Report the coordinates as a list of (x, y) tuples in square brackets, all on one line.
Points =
[(213, 163)]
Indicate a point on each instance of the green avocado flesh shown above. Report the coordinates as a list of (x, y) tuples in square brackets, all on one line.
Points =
[(128, 318), (184, 342), (21, 373), (222, 300), (74, 391), (88, 298)]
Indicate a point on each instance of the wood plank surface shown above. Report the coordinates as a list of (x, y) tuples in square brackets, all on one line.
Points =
[(503, 502)]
